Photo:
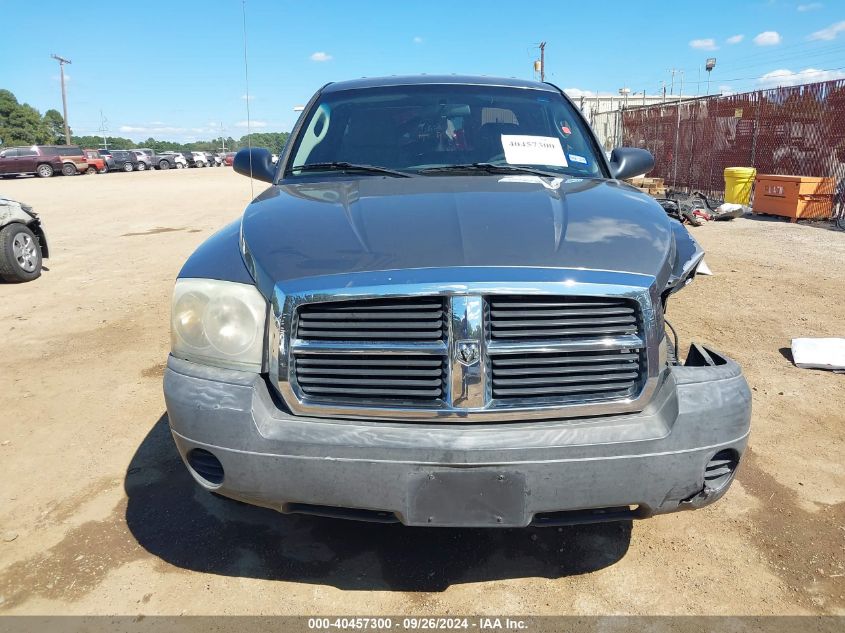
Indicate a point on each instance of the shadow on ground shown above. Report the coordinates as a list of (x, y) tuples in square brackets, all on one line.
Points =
[(174, 519)]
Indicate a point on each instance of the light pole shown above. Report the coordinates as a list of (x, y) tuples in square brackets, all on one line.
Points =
[(624, 92), (62, 61)]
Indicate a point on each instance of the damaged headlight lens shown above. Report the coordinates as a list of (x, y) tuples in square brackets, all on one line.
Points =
[(218, 323)]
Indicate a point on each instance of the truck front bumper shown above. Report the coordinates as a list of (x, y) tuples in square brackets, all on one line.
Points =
[(549, 472)]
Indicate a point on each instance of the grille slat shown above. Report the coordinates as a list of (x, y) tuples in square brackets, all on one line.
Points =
[(412, 319), (559, 380), (560, 318), (365, 378)]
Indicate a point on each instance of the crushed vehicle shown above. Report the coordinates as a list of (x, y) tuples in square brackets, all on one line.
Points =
[(448, 309), (23, 243)]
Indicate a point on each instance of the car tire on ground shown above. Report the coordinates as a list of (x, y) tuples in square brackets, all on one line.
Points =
[(104, 170), (69, 169), (200, 164), (179, 165), (20, 253), (142, 166), (163, 164), (127, 167), (44, 170), (91, 170)]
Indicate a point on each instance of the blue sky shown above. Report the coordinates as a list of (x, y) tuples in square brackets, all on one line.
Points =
[(174, 69)]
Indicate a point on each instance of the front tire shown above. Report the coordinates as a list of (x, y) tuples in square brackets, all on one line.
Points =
[(44, 171), (142, 166), (91, 171), (127, 167), (163, 164), (20, 254), (69, 170), (104, 170)]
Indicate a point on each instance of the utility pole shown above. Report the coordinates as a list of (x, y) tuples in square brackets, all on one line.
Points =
[(672, 85), (103, 129), (62, 61), (542, 61)]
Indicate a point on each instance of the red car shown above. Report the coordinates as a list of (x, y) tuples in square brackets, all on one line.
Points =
[(228, 158), (96, 161)]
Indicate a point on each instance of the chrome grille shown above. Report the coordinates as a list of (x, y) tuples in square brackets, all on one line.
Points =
[(355, 377), (405, 319), (472, 353), (589, 375), (560, 317)]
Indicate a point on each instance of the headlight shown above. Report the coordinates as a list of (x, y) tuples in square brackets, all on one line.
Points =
[(218, 323)]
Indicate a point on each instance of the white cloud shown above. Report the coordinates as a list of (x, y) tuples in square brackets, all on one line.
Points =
[(830, 33), (251, 123), (152, 129), (320, 56), (418, 40), (735, 39), (704, 44), (726, 90), (786, 77), (768, 38), (810, 6), (575, 93), (247, 97)]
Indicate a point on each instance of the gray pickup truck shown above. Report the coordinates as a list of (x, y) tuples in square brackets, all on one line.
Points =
[(448, 309)]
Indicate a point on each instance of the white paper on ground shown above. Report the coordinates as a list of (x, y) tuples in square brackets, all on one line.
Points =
[(819, 353), (533, 150)]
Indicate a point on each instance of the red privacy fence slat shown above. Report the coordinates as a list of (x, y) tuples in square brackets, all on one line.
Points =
[(797, 130)]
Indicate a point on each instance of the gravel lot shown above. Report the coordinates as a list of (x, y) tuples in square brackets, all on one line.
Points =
[(99, 516)]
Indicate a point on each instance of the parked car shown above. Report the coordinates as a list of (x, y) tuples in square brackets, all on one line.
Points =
[(162, 161), (228, 158), (448, 309), (145, 161), (28, 160), (179, 158), (120, 159), (73, 158), (218, 160), (95, 161), (200, 159), (23, 243)]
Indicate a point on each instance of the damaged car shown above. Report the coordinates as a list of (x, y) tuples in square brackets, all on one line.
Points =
[(449, 309), (23, 243)]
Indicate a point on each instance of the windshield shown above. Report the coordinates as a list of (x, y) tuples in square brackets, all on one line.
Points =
[(417, 128)]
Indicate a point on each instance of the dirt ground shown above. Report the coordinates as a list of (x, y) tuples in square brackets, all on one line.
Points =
[(97, 514)]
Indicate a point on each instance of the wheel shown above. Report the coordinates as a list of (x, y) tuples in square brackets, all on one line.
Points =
[(179, 165), (142, 166), (104, 170), (69, 169), (44, 171), (200, 164), (163, 164), (20, 253), (127, 167), (91, 170)]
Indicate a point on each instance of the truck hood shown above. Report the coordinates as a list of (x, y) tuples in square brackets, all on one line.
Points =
[(376, 224)]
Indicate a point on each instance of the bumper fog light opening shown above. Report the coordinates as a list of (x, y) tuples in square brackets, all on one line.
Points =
[(206, 466)]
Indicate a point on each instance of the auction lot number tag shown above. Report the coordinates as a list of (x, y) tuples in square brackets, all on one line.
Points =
[(533, 150)]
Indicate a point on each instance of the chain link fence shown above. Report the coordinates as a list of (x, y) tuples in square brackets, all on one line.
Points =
[(795, 130)]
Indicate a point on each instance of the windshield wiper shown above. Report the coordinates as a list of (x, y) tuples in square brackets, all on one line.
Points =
[(491, 168), (344, 166)]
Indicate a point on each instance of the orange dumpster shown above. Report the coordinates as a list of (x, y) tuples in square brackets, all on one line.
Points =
[(793, 196)]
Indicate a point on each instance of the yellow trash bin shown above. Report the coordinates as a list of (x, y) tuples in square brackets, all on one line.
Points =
[(738, 182)]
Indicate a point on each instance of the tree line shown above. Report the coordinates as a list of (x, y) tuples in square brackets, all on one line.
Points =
[(21, 124)]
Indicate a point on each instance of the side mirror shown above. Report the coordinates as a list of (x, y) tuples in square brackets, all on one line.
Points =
[(256, 162), (627, 162)]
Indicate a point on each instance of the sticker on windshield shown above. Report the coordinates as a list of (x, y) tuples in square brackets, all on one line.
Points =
[(533, 150), (575, 158)]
